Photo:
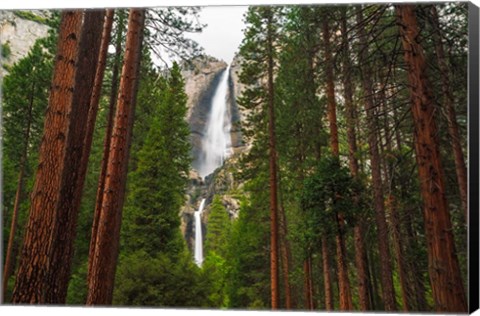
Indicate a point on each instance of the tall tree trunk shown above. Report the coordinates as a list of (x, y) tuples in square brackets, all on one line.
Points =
[(385, 262), (326, 276), (103, 264), (445, 276), (344, 283), (307, 276), (310, 284), (398, 249), (330, 91), (448, 104), (74, 175), (95, 99), (360, 255), (416, 282), (40, 235), (8, 268), (392, 207), (273, 167), (285, 253), (108, 137)]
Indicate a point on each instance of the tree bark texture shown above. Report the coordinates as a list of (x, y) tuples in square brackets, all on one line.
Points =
[(102, 270), (72, 179), (108, 137), (330, 91), (326, 276), (345, 298), (445, 276), (40, 232), (307, 276)]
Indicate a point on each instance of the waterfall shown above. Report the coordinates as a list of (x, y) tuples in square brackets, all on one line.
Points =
[(216, 142), (198, 235)]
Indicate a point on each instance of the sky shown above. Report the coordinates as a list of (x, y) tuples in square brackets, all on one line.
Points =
[(224, 31)]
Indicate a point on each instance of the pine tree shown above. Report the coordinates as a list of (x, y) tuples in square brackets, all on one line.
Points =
[(367, 85), (259, 43), (156, 187), (445, 277), (217, 227), (25, 90)]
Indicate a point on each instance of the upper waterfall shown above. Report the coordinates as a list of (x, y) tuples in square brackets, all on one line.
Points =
[(216, 140)]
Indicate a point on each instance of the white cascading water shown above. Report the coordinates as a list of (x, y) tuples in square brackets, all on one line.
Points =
[(216, 142), (198, 234)]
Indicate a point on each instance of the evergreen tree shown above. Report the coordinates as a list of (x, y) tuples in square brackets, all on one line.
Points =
[(25, 91), (157, 186)]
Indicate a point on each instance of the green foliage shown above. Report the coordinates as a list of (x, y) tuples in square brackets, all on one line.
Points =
[(248, 250), (6, 50), (165, 32), (215, 270), (218, 228), (145, 280), (28, 15), (155, 269), (156, 187), (25, 86), (328, 193)]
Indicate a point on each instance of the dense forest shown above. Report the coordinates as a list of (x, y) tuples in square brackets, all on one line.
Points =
[(351, 184)]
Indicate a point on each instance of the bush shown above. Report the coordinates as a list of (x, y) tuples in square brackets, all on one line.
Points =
[(6, 50), (143, 280)]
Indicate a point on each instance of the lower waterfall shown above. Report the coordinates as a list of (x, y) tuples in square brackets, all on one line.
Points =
[(199, 235)]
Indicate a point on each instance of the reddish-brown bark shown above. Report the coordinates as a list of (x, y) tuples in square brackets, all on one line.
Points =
[(102, 270), (330, 91), (385, 262), (445, 276), (342, 269), (364, 296), (345, 297), (273, 167), (327, 281), (95, 98), (108, 137), (285, 256), (73, 175), (40, 234), (307, 276)]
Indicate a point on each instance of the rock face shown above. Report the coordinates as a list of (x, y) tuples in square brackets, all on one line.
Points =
[(202, 77), (239, 114), (18, 34)]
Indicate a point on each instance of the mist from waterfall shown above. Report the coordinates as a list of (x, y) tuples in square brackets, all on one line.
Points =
[(216, 141), (199, 235)]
